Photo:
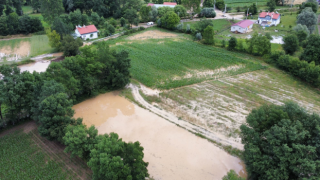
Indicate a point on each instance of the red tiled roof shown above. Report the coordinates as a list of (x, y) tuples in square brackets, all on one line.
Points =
[(87, 29), (169, 3), (150, 4), (243, 24), (272, 14)]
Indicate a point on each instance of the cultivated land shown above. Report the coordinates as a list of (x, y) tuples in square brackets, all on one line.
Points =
[(166, 63), (24, 154), (220, 102)]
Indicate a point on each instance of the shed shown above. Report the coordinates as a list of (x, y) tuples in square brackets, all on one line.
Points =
[(86, 32), (242, 26)]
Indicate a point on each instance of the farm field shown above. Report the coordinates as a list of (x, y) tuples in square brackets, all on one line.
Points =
[(26, 155), (222, 105), (173, 62)]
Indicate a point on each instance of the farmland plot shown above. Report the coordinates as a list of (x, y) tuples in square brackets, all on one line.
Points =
[(171, 63), (222, 105)]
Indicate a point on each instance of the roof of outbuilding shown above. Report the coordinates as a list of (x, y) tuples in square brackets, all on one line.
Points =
[(150, 4), (87, 29), (272, 14), (169, 3), (243, 24)]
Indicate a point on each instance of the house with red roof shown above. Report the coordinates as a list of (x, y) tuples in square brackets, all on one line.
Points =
[(268, 19), (243, 26), (87, 32)]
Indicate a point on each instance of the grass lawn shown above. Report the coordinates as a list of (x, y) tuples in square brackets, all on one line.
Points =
[(40, 45), (27, 9), (218, 24), (169, 63), (45, 24)]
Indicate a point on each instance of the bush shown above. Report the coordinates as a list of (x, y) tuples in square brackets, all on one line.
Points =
[(291, 44), (180, 27), (188, 29), (220, 4), (232, 43), (198, 36), (170, 20), (223, 43), (141, 28), (208, 35), (207, 12), (268, 35)]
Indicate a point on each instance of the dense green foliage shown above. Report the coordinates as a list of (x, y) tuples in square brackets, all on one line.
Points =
[(282, 142), (307, 17), (144, 13), (208, 13), (13, 24), (220, 4), (271, 5), (170, 20), (259, 45), (311, 52), (291, 44), (192, 5), (301, 31), (50, 9), (70, 46), (163, 10), (203, 24), (156, 65), (232, 43), (308, 72), (180, 10), (232, 175), (208, 35), (21, 158), (208, 3)]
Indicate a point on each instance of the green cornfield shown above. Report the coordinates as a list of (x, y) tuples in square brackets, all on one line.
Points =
[(21, 158), (168, 63)]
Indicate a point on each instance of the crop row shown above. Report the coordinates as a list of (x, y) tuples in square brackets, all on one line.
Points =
[(20, 158), (163, 64)]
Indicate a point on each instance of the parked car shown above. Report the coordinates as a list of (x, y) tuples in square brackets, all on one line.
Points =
[(150, 23)]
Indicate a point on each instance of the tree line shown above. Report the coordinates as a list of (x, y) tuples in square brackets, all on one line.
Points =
[(48, 98)]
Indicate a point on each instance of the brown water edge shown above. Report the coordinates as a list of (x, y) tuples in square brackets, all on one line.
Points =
[(40, 66), (172, 152)]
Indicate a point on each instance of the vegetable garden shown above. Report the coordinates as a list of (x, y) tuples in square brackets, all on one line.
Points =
[(170, 63)]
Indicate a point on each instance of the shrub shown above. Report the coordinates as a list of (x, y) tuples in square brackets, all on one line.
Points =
[(291, 44), (188, 29), (232, 43), (180, 27), (223, 43), (207, 12), (198, 36), (208, 35)]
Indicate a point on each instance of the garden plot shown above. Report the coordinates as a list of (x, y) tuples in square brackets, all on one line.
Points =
[(153, 34), (222, 105), (12, 50)]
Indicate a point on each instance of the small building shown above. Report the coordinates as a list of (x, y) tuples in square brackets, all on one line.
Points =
[(243, 26), (268, 19), (165, 4), (86, 32)]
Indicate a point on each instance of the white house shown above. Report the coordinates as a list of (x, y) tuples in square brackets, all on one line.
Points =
[(242, 26), (165, 4), (268, 19), (87, 32)]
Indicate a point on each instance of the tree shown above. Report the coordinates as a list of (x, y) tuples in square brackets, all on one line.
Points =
[(208, 13), (208, 3), (307, 17), (180, 10), (132, 16), (301, 31), (114, 159), (25, 25), (113, 22), (232, 175), (232, 43), (312, 51), (80, 140), (68, 5), (85, 19), (253, 9), (192, 5), (13, 23), (50, 9), (75, 18), (56, 114), (272, 5), (291, 44), (122, 21), (259, 44), (313, 4), (17, 6), (268, 35), (61, 28), (280, 142), (36, 5), (3, 26), (70, 46), (170, 20), (220, 4), (208, 35), (95, 18), (144, 13), (153, 14), (54, 39), (202, 24), (163, 10), (8, 10), (198, 36)]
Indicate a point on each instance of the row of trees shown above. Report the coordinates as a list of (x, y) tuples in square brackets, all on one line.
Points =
[(9, 7), (13, 24), (48, 99)]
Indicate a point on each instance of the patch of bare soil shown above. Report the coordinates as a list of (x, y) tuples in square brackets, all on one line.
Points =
[(22, 50), (154, 34)]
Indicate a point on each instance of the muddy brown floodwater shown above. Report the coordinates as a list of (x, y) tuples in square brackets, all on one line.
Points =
[(172, 152), (40, 66)]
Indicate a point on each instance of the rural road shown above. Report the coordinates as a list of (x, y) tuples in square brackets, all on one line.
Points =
[(192, 128)]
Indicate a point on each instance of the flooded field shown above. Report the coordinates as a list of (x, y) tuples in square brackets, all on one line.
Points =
[(172, 152), (40, 66), (12, 50)]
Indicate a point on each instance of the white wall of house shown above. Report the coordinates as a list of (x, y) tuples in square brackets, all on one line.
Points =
[(86, 36), (162, 5), (240, 29)]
